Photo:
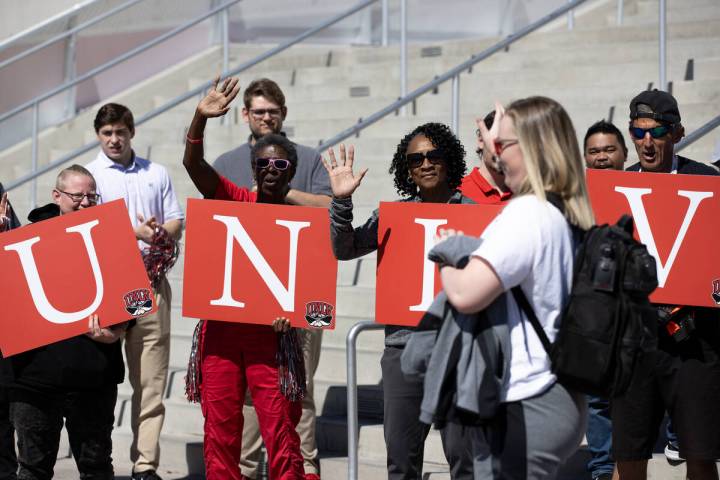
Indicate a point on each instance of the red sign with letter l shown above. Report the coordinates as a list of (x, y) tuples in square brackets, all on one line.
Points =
[(407, 281)]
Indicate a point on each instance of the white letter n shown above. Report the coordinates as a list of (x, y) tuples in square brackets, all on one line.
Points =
[(27, 260), (634, 197), (284, 296)]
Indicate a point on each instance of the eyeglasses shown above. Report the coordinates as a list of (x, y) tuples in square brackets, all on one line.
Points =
[(260, 112), (501, 145), (93, 198), (417, 159), (655, 132), (277, 163)]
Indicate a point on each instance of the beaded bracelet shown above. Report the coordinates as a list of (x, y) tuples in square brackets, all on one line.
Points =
[(193, 141)]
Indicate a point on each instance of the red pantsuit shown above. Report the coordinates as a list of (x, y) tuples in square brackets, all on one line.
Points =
[(235, 357)]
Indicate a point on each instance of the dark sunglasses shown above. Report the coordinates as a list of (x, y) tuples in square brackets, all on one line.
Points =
[(416, 159), (655, 132), (277, 163)]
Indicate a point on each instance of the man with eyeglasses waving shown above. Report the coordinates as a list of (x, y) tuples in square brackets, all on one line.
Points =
[(74, 380), (683, 375), (157, 218), (264, 111)]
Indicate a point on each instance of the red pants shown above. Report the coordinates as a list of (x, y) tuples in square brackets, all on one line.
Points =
[(236, 356)]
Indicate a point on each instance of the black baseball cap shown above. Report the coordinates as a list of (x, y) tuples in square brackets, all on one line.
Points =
[(662, 107)]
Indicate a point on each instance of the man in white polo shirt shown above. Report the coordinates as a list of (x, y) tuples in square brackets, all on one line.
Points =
[(152, 206)]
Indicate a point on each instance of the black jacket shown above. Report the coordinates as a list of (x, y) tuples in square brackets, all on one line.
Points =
[(77, 363), (685, 167)]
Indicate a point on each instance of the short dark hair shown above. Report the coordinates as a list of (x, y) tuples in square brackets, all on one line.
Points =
[(604, 127), (277, 140), (489, 118), (444, 140), (114, 113), (264, 87)]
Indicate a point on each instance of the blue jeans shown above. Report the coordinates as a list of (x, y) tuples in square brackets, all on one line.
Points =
[(599, 436)]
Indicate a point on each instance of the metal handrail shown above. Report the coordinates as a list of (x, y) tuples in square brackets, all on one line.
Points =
[(450, 74), (39, 26), (37, 171), (699, 133), (69, 32), (353, 427), (119, 59)]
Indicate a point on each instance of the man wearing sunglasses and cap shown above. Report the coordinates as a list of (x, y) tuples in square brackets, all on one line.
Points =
[(264, 111), (683, 374)]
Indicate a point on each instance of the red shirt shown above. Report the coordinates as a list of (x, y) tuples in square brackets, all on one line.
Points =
[(227, 190), (475, 187)]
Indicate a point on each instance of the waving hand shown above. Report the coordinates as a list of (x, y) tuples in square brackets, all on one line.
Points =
[(217, 102), (342, 179)]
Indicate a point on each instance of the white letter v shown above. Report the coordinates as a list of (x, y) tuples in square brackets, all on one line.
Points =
[(634, 197)]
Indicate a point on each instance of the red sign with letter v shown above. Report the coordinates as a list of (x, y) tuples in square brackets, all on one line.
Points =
[(676, 217)]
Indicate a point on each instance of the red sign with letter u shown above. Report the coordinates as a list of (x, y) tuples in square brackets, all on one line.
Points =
[(57, 272)]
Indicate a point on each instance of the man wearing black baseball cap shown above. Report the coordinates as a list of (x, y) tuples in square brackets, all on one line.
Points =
[(682, 376), (655, 128)]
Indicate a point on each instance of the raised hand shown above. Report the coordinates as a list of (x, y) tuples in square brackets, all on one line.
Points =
[(488, 137), (217, 102), (342, 179)]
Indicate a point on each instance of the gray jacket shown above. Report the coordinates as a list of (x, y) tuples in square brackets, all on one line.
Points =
[(469, 357), (350, 242)]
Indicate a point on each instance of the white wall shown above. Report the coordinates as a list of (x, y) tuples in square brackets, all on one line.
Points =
[(18, 15)]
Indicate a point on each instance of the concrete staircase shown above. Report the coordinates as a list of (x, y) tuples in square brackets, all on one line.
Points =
[(593, 70)]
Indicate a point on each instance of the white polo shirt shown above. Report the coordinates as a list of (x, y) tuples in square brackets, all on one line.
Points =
[(145, 187), (530, 244)]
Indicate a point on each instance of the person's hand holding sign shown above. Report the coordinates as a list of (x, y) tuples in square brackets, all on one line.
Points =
[(281, 324), (101, 334), (342, 179)]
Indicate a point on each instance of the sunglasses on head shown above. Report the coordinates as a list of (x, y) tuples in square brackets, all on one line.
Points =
[(655, 132), (417, 159), (277, 163)]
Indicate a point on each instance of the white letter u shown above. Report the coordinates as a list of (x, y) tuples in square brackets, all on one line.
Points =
[(27, 260)]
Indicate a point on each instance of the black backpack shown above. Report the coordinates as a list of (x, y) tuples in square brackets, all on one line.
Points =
[(608, 320)]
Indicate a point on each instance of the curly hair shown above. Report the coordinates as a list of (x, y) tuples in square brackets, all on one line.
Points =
[(444, 140)]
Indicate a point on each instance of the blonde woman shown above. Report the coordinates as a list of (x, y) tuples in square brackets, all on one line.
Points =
[(530, 244)]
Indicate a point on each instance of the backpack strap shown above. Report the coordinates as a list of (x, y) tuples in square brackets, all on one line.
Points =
[(524, 304)]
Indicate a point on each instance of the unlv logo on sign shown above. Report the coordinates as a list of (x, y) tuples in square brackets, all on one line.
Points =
[(318, 314), (138, 302)]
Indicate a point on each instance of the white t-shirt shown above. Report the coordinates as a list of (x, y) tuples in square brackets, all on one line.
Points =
[(530, 244)]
